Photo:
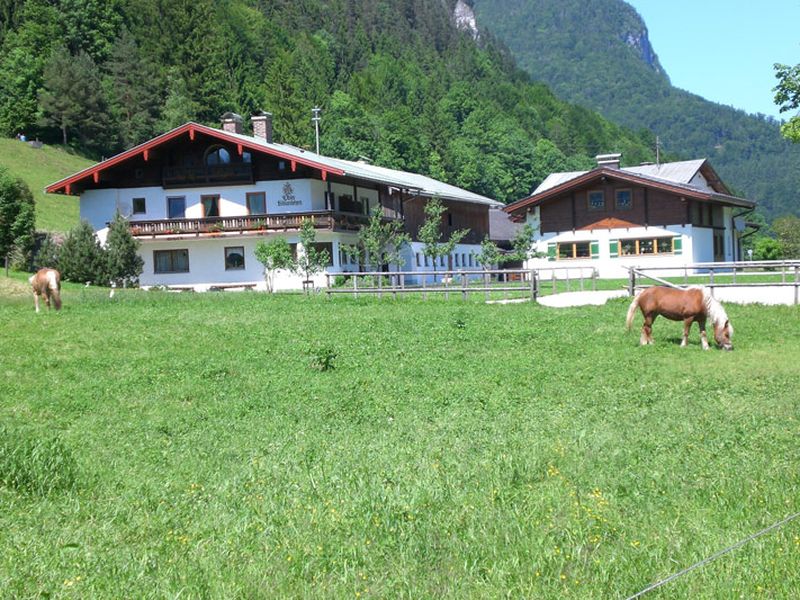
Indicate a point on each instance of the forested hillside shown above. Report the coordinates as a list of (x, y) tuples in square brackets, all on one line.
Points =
[(597, 53), (396, 80)]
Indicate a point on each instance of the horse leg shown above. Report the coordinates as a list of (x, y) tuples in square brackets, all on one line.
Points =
[(36, 301), (46, 296), (687, 325), (703, 338), (647, 330)]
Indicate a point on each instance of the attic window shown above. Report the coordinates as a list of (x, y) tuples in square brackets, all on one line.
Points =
[(596, 200), (217, 155)]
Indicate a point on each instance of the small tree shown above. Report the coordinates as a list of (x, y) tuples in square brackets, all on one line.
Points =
[(123, 263), (787, 230), (381, 242), (274, 255), (310, 261), (47, 254), (430, 233), (523, 243), (489, 255), (81, 258), (17, 220)]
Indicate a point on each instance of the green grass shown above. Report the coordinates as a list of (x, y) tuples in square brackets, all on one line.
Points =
[(39, 168), (453, 449)]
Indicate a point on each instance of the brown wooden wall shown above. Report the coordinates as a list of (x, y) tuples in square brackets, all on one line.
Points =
[(649, 207), (463, 215)]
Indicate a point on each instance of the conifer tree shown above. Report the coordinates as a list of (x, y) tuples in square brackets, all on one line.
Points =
[(123, 263), (81, 257), (17, 220)]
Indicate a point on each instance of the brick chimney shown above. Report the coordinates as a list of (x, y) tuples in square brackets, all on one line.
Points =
[(232, 123), (608, 160), (262, 125)]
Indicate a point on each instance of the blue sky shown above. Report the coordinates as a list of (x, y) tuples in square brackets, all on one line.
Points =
[(724, 50)]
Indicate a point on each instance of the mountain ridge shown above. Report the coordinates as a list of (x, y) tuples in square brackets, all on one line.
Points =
[(582, 51)]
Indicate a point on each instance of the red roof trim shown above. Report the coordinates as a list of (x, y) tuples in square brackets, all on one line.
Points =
[(64, 185), (537, 199)]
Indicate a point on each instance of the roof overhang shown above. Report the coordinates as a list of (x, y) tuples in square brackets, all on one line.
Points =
[(520, 206), (65, 186)]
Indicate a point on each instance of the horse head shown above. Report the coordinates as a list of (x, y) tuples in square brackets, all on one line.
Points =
[(723, 334)]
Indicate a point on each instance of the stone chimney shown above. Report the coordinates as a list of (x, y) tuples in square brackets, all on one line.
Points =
[(262, 125), (610, 161), (232, 123)]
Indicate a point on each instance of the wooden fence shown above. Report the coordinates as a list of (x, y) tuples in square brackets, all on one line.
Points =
[(785, 273), (461, 283)]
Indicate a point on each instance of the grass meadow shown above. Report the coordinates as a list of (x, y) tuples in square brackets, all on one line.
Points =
[(243, 445), (39, 168)]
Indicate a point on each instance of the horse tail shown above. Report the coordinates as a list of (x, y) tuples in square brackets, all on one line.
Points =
[(631, 312), (54, 283)]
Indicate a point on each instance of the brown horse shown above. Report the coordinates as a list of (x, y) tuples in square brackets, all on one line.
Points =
[(692, 305), (46, 283)]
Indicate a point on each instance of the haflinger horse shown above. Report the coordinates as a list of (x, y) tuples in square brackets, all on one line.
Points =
[(46, 283), (692, 305)]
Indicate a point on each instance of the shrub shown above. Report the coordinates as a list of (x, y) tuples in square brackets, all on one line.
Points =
[(322, 357)]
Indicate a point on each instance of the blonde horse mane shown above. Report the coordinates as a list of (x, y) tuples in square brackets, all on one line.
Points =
[(715, 310)]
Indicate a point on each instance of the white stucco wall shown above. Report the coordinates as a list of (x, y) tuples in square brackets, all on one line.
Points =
[(207, 262), (616, 267)]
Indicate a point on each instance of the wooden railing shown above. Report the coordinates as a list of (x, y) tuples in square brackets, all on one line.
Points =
[(239, 224)]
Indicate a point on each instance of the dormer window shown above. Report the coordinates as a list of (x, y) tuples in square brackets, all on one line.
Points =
[(217, 155)]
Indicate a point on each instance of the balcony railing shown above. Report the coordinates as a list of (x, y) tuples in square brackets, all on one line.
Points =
[(190, 176), (248, 223)]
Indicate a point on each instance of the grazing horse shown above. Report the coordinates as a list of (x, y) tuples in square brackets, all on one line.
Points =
[(46, 283), (692, 305)]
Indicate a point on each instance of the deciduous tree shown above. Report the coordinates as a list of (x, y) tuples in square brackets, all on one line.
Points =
[(274, 255), (431, 235)]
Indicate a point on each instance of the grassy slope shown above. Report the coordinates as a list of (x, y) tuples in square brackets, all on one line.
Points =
[(38, 168), (457, 450)]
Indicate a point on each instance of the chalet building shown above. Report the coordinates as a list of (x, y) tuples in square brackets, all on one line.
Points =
[(611, 218), (199, 199)]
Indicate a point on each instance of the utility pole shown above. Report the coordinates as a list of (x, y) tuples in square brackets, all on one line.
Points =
[(316, 118)]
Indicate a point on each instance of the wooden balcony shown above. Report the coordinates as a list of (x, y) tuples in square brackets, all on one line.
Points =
[(174, 177), (332, 221)]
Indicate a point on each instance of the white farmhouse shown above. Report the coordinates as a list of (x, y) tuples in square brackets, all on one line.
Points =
[(611, 218), (199, 199)]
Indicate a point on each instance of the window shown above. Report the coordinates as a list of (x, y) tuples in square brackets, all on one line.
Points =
[(234, 258), (457, 262), (210, 206), (597, 200), (646, 246), (463, 260), (569, 250), (217, 155), (171, 261), (427, 264), (347, 204), (441, 261), (418, 260), (257, 203), (623, 199), (139, 206), (247, 158), (176, 207), (471, 260), (450, 219)]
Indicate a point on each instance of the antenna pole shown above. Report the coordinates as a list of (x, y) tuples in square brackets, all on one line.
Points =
[(658, 152), (316, 118)]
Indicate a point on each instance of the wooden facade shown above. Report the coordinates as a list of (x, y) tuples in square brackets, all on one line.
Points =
[(458, 215)]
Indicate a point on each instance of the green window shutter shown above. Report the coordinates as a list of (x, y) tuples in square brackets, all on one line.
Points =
[(595, 249), (677, 245), (614, 248), (551, 251)]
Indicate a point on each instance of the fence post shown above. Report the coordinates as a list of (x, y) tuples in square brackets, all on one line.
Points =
[(533, 285), (685, 275), (553, 272), (486, 284), (711, 281), (581, 276), (380, 285), (355, 285), (463, 276), (402, 281), (631, 282), (424, 284), (594, 279), (568, 286), (796, 285)]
